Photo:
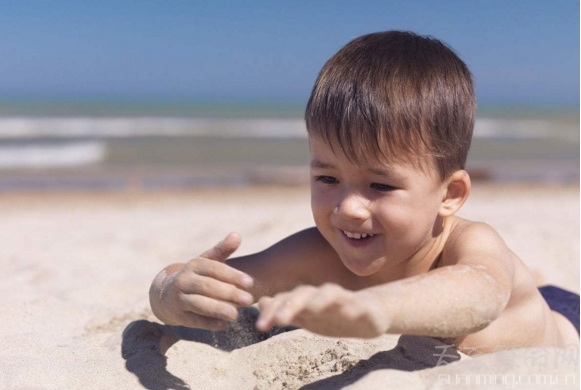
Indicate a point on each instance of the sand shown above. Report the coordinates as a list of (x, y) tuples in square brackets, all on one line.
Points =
[(77, 267)]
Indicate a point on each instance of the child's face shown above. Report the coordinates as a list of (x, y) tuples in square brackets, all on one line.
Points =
[(376, 215)]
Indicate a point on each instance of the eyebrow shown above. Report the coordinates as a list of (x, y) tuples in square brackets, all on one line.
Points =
[(320, 164), (381, 172), (376, 171)]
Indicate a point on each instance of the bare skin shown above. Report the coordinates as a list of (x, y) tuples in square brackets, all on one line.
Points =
[(388, 255)]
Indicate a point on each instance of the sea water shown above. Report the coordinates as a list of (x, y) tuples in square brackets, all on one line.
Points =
[(118, 146)]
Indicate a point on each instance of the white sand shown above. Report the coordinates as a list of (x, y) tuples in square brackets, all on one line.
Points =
[(74, 311)]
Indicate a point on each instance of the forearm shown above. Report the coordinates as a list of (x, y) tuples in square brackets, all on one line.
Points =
[(448, 302)]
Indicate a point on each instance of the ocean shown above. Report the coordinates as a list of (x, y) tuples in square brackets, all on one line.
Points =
[(89, 146)]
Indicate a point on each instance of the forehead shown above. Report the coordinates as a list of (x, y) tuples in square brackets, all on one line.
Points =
[(329, 149), (325, 151)]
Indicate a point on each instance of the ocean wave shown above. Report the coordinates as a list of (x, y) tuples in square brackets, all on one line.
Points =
[(51, 155), (525, 129), (134, 127), (119, 127)]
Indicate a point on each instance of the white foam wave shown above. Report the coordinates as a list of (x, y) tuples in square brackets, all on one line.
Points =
[(524, 128), (41, 155), (124, 127), (30, 127)]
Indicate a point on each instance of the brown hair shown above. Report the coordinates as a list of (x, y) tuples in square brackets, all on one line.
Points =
[(398, 96)]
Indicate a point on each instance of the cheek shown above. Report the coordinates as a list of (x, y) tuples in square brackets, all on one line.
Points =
[(406, 221), (423, 221), (321, 202)]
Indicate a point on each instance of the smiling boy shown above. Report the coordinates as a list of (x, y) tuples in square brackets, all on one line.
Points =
[(390, 122)]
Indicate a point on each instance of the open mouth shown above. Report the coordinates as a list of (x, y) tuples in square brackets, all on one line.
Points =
[(357, 236)]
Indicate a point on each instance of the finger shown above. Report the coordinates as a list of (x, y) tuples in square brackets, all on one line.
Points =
[(283, 307), (219, 271), (353, 311), (265, 318), (325, 297), (209, 307), (263, 302), (265, 321), (216, 289), (298, 304), (291, 306), (222, 250)]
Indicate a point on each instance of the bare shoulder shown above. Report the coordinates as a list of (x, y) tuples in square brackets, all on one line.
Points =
[(476, 232), (478, 245), (473, 240)]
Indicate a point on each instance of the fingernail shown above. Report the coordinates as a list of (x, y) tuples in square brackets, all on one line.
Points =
[(246, 299), (260, 324), (247, 281), (230, 313), (221, 325)]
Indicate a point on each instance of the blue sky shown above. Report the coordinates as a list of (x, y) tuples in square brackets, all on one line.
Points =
[(521, 52)]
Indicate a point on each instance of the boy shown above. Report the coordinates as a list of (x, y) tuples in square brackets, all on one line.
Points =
[(390, 122)]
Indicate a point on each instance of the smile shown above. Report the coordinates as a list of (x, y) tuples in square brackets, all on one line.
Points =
[(357, 236)]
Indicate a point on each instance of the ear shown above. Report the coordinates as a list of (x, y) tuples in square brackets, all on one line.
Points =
[(456, 191)]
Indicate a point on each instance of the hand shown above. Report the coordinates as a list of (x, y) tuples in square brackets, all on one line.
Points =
[(329, 310), (205, 292)]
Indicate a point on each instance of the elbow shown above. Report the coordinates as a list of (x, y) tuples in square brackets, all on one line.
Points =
[(480, 319), (491, 297)]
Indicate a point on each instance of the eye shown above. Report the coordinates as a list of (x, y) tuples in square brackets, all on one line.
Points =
[(327, 179), (382, 187)]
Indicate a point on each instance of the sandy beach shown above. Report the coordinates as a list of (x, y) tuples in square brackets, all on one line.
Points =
[(75, 314)]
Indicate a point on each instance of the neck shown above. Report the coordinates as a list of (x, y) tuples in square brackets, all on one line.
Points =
[(429, 256), (426, 258)]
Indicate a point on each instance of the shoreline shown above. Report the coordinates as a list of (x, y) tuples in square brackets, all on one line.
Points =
[(160, 178), (480, 187)]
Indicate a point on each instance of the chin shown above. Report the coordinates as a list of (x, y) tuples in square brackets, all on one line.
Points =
[(361, 270)]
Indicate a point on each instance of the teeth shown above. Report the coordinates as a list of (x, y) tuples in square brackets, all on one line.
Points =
[(357, 236)]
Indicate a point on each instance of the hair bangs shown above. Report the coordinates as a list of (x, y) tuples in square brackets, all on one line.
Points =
[(358, 124)]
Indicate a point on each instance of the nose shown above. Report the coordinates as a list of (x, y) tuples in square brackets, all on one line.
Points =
[(352, 206)]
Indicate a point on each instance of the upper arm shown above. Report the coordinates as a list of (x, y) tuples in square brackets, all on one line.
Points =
[(302, 258)]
